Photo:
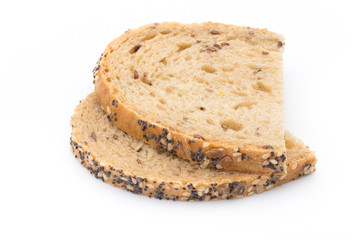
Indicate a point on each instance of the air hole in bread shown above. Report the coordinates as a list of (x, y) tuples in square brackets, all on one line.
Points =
[(183, 46), (210, 121), (164, 32), (232, 124), (209, 90), (162, 101), (148, 37), (187, 58), (169, 89), (108, 79), (152, 94), (244, 104), (199, 79), (145, 79), (163, 61), (115, 90), (134, 49), (185, 118), (227, 68), (242, 94), (208, 69), (262, 87), (161, 107), (106, 70)]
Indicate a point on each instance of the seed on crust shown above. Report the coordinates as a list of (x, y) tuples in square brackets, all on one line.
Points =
[(216, 153), (265, 156), (273, 161), (282, 177), (238, 188), (218, 166), (237, 154), (294, 166), (267, 147), (163, 141), (224, 188), (255, 182), (214, 32), (308, 169), (108, 110), (206, 144), (186, 194)]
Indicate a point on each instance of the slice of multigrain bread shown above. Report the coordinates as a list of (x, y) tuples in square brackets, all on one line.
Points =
[(210, 92), (121, 160)]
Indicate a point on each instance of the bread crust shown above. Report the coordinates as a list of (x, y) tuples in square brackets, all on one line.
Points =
[(246, 158), (183, 189)]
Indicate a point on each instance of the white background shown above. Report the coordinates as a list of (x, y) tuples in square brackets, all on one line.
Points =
[(47, 52)]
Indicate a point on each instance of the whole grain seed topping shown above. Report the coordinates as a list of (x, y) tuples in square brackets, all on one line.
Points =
[(206, 144), (265, 156), (267, 147), (273, 161), (214, 32), (215, 153), (237, 154)]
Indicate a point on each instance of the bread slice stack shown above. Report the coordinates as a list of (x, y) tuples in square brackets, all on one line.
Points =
[(189, 112)]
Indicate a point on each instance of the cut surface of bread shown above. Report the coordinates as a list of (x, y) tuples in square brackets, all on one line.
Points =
[(125, 162), (209, 92)]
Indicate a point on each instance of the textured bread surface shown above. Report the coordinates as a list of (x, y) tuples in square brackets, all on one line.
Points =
[(123, 161), (210, 92)]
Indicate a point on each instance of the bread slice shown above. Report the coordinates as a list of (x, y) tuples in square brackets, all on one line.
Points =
[(210, 92), (125, 162)]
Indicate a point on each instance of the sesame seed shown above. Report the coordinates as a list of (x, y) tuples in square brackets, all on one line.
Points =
[(108, 110), (237, 154), (265, 156), (186, 194), (273, 161), (206, 144)]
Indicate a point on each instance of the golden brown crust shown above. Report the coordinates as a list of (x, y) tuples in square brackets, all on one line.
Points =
[(249, 159), (186, 191)]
